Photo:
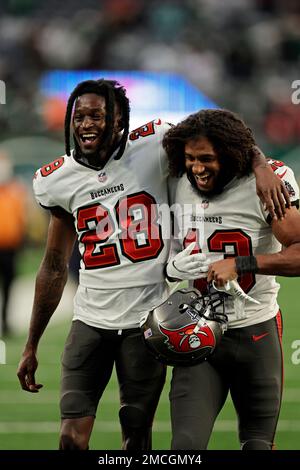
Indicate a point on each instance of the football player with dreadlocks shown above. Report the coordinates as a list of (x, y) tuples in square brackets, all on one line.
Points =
[(103, 190), (108, 190), (227, 234)]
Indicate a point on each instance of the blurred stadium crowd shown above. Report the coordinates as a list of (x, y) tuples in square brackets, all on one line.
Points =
[(244, 54)]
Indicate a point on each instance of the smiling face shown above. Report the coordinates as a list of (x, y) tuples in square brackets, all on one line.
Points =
[(89, 123), (203, 166)]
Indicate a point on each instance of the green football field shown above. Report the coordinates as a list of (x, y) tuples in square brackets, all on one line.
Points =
[(32, 421)]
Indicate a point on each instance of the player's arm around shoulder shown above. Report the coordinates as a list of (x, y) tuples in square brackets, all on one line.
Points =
[(285, 262), (50, 282), (269, 186)]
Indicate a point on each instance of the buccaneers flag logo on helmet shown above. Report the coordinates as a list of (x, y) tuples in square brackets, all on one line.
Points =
[(185, 339)]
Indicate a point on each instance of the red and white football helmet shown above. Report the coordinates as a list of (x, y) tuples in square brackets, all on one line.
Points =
[(186, 328)]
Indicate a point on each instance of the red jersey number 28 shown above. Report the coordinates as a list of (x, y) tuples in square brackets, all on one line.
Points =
[(139, 234)]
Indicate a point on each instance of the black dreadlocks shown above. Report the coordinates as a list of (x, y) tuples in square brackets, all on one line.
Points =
[(113, 92)]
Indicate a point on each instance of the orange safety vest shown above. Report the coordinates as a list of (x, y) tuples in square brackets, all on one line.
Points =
[(12, 215)]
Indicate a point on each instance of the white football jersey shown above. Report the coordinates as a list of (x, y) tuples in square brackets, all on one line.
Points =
[(233, 223), (117, 215)]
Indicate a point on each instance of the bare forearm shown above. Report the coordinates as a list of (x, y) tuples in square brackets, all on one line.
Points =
[(284, 263), (258, 159), (50, 283)]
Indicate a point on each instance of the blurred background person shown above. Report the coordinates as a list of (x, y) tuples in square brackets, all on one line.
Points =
[(12, 231)]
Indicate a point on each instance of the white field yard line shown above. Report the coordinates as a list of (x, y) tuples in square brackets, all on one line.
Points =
[(7, 397), (50, 427)]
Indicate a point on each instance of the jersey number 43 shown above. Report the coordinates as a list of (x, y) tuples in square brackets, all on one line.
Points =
[(218, 242)]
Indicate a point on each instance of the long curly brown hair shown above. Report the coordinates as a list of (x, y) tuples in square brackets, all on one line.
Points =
[(232, 140)]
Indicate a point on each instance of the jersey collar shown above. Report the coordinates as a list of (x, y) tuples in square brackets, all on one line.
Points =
[(82, 160)]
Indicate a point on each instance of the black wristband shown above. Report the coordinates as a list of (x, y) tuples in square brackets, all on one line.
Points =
[(246, 264)]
